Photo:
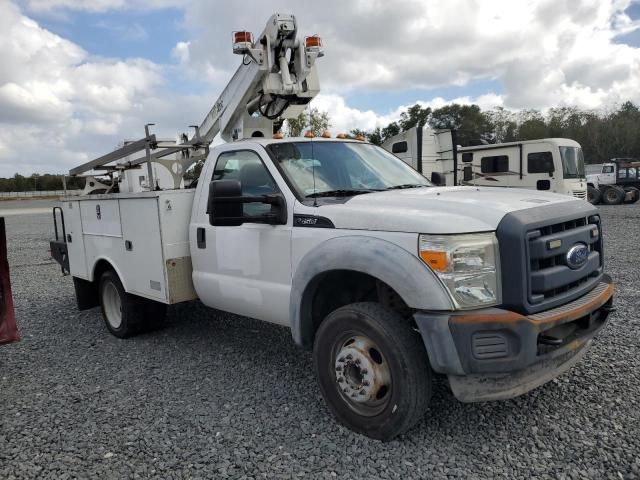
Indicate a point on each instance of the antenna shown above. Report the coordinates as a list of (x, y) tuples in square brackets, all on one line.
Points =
[(313, 173)]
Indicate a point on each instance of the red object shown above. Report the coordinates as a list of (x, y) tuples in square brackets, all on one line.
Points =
[(313, 41), (8, 329), (242, 37)]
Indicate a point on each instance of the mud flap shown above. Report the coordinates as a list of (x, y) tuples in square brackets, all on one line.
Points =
[(8, 329)]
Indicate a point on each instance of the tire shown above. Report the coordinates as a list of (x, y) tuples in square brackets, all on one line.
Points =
[(634, 197), (594, 196), (613, 196), (362, 346), (124, 314)]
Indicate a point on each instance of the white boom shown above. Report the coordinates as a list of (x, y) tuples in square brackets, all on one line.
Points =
[(276, 80)]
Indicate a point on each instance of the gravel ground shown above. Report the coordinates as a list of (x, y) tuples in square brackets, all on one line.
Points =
[(215, 395)]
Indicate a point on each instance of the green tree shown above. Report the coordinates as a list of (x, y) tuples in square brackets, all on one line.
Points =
[(312, 119), (470, 123), (415, 116)]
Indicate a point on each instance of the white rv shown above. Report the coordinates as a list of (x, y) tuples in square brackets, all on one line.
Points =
[(552, 164)]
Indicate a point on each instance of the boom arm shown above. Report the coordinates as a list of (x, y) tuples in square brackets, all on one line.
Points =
[(276, 80)]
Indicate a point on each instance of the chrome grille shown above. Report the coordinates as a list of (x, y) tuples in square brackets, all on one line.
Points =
[(579, 194)]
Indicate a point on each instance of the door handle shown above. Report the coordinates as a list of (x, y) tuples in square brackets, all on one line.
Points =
[(201, 237)]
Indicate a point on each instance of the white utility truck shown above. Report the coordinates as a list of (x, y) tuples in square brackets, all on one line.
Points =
[(385, 277), (614, 182), (551, 164)]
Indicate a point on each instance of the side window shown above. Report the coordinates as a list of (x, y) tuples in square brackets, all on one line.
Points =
[(399, 147), (622, 173), (496, 164), (540, 162), (246, 166), (607, 169)]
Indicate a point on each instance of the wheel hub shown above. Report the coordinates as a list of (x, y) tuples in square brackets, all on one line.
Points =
[(361, 371)]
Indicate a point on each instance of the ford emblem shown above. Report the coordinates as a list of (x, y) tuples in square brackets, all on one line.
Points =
[(577, 256)]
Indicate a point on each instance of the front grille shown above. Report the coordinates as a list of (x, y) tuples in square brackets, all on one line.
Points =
[(579, 194), (550, 276), (533, 253)]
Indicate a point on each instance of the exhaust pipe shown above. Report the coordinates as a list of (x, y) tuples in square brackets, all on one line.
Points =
[(8, 329)]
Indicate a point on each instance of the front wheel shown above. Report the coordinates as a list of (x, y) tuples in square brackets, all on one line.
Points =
[(593, 195), (373, 370)]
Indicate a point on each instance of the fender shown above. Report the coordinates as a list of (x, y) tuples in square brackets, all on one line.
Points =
[(113, 265), (405, 273)]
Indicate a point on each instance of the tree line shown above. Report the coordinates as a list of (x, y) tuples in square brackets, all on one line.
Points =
[(36, 182)]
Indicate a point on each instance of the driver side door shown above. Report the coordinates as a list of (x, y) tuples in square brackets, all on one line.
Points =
[(244, 269)]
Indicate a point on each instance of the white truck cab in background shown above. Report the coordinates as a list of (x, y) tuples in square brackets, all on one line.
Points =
[(550, 164), (614, 182)]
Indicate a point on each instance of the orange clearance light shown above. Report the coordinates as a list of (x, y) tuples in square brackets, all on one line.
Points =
[(314, 42), (308, 134), (361, 138), (341, 135), (326, 134), (278, 136), (436, 260), (242, 42)]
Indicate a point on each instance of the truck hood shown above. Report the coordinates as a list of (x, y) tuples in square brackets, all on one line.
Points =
[(434, 209)]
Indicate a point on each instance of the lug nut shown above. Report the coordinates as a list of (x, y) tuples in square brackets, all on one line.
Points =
[(340, 379), (349, 357), (357, 361), (338, 368), (365, 383), (341, 359), (362, 392)]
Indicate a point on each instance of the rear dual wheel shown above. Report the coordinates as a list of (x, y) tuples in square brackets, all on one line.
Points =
[(373, 370), (125, 314), (613, 195)]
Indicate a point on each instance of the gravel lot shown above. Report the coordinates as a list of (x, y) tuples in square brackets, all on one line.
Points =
[(215, 395)]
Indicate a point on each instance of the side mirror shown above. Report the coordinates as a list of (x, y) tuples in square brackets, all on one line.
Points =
[(467, 173), (544, 184), (221, 211), (551, 168), (438, 179), (224, 205)]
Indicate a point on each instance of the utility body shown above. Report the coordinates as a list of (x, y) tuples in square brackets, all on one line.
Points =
[(385, 277), (614, 182), (548, 164)]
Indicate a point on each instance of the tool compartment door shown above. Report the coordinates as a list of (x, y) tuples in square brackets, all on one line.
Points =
[(142, 261), (75, 240)]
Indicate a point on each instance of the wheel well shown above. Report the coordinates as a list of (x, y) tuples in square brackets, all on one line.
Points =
[(337, 288), (100, 267)]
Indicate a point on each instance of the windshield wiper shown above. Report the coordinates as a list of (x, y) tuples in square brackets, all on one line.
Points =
[(406, 185), (339, 193)]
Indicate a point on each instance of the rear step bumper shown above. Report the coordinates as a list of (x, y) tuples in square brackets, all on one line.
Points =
[(494, 354)]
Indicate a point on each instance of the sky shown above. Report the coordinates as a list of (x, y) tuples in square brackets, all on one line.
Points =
[(77, 77)]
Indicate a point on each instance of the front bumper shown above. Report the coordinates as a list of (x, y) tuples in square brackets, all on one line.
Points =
[(494, 354)]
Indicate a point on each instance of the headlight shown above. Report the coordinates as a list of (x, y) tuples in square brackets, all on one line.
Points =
[(466, 264)]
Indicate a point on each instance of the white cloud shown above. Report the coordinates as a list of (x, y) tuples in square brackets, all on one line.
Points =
[(58, 104)]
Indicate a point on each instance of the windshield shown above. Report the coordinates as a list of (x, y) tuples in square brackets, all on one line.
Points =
[(341, 168), (572, 162)]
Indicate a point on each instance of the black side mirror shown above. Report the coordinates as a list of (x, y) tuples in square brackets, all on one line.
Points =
[(544, 184), (467, 173), (224, 205), (221, 211), (438, 179)]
